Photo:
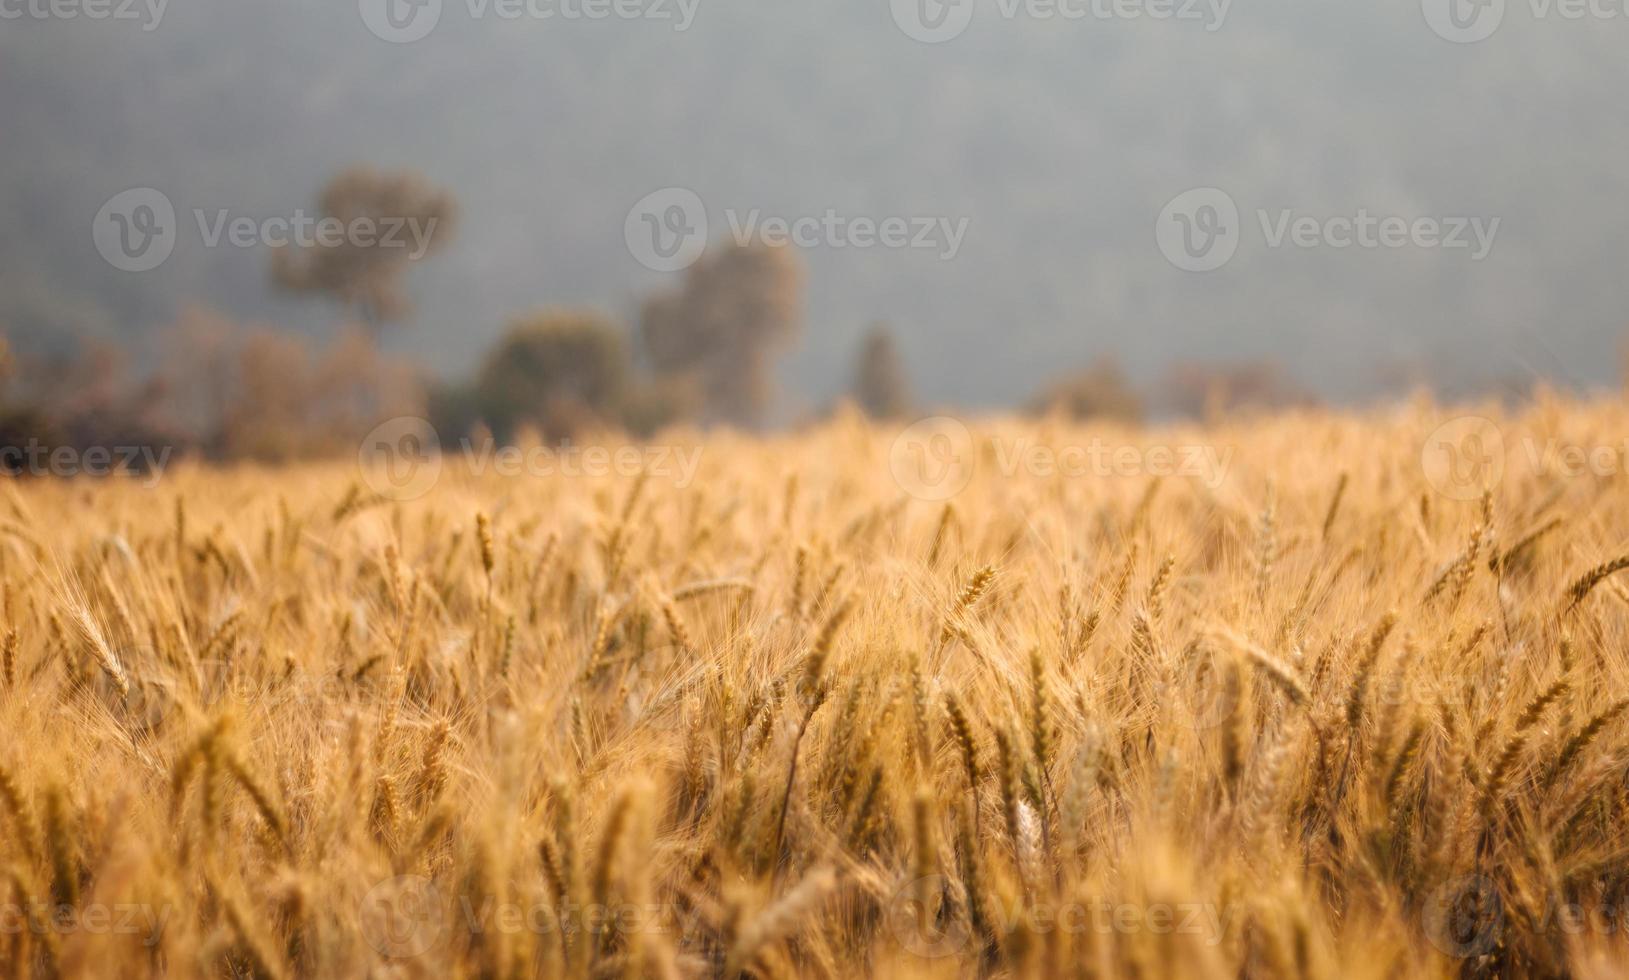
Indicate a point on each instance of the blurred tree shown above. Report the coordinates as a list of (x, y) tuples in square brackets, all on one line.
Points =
[(557, 369), (723, 325), (265, 419), (1100, 391), (221, 388), (354, 386), (198, 374), (95, 397), (409, 220), (454, 410), (253, 391), (87, 396), (19, 422), (880, 385)]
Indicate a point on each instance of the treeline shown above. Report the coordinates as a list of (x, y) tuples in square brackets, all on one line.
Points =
[(216, 388), (702, 352)]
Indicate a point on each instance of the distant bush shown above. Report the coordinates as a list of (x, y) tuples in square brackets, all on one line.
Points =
[(221, 389), (562, 372), (250, 391), (90, 397), (880, 385), (1101, 391), (555, 369)]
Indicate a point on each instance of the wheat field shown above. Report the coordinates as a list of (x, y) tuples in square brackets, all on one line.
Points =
[(1311, 713)]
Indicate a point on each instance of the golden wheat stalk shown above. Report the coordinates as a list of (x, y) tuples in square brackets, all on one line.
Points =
[(1581, 587)]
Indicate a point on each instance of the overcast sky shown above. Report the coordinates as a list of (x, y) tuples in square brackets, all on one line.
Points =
[(1466, 198)]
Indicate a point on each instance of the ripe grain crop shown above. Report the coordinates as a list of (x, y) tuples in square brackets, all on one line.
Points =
[(1308, 720)]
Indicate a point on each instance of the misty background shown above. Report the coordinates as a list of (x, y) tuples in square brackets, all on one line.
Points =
[(1058, 140)]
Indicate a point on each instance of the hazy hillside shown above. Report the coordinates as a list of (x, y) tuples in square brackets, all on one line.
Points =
[(1058, 141)]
